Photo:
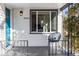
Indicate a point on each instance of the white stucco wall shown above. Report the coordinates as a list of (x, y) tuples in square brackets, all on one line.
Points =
[(60, 23), (1, 29), (2, 19), (21, 28)]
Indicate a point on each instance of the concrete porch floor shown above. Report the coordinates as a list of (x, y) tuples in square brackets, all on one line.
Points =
[(32, 51)]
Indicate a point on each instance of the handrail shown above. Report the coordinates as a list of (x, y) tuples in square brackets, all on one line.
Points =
[(13, 42), (22, 42), (10, 48), (56, 46), (3, 45)]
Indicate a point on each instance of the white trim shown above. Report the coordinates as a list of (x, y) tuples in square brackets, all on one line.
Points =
[(50, 21), (43, 32), (36, 21)]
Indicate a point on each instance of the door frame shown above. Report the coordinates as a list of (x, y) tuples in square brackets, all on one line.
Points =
[(7, 26)]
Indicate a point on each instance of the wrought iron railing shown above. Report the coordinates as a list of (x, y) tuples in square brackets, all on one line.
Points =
[(59, 48)]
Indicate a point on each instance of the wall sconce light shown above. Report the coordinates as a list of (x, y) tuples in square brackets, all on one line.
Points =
[(21, 13)]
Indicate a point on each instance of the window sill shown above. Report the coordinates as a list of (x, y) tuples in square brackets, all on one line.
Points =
[(42, 32)]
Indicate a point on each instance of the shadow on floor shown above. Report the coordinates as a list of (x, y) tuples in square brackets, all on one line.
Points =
[(33, 51)]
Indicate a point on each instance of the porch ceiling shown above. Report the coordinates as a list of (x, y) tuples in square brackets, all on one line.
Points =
[(36, 5)]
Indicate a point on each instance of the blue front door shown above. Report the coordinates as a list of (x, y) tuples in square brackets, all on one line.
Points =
[(7, 11)]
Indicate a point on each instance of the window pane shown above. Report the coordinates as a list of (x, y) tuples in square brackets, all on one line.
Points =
[(34, 21), (53, 21), (43, 21)]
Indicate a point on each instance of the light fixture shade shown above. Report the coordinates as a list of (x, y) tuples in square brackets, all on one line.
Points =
[(21, 13)]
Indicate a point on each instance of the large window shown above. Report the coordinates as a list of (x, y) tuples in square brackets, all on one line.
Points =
[(43, 21)]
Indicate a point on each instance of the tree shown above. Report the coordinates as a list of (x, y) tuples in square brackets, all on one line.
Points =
[(71, 24)]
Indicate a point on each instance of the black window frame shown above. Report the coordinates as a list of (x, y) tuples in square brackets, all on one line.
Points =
[(43, 10)]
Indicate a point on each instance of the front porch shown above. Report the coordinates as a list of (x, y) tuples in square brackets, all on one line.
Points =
[(22, 49), (25, 28)]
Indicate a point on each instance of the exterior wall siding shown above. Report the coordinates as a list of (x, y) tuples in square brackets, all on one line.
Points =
[(22, 28)]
